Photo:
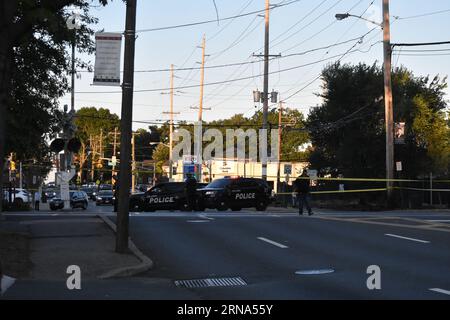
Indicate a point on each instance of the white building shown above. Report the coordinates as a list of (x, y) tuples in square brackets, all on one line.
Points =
[(219, 168)]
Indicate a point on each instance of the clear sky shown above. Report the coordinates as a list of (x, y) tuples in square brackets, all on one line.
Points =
[(294, 28)]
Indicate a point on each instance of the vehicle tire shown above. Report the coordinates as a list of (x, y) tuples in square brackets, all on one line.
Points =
[(236, 209), (53, 208), (261, 205), (222, 206), (200, 208), (184, 207), (18, 202)]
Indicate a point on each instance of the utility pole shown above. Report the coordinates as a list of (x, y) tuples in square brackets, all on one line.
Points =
[(202, 78), (93, 149), (20, 175), (126, 129), (200, 110), (171, 125), (72, 97), (388, 105), (171, 113), (280, 116), (101, 143), (266, 83), (114, 154)]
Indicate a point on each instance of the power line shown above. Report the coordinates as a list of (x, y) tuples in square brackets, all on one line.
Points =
[(274, 43), (419, 44), (342, 56), (219, 82), (230, 22), (336, 43), (422, 15), (423, 50), (274, 6), (421, 54), (307, 25)]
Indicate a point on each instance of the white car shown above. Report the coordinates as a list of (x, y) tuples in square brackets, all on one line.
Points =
[(18, 196)]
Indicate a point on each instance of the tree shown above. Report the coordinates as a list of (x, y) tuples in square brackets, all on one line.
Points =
[(33, 69), (161, 156), (93, 129), (144, 150), (348, 131), (293, 130)]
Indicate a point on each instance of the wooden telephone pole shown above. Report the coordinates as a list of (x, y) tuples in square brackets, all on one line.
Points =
[(280, 117), (202, 79), (388, 105), (171, 113), (266, 82)]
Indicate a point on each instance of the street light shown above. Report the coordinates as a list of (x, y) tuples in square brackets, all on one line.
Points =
[(388, 105), (342, 16)]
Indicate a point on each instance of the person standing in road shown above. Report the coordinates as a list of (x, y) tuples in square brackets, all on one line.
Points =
[(301, 187), (191, 192), (37, 200), (116, 187)]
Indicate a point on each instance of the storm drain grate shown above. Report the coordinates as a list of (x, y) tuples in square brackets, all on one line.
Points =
[(214, 282)]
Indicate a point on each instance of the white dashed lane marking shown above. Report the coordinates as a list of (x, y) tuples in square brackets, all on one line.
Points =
[(279, 245), (406, 238), (447, 292)]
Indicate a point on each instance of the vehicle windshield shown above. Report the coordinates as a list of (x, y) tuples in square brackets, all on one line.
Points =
[(105, 193), (219, 183)]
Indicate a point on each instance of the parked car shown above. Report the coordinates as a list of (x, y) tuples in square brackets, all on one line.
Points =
[(78, 199), (105, 187), (90, 192), (50, 193), (18, 196), (236, 193), (163, 196), (104, 197)]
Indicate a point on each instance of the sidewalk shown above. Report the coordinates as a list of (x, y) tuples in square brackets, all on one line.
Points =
[(55, 244)]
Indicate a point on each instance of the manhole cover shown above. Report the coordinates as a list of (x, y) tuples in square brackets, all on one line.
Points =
[(314, 271), (214, 282)]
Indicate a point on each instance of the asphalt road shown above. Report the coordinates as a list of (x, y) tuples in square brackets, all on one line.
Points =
[(266, 249)]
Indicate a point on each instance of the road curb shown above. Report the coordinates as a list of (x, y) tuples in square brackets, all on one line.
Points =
[(145, 265)]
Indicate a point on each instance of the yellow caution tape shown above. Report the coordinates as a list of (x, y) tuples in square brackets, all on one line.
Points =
[(339, 191)]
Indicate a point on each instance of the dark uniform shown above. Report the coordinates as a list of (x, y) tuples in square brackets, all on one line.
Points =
[(301, 187), (116, 188), (191, 192)]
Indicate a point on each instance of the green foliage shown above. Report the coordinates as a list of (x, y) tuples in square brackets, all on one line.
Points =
[(348, 129), (90, 121), (38, 43), (161, 156)]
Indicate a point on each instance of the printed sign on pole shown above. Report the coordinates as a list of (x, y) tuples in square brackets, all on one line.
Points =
[(107, 59)]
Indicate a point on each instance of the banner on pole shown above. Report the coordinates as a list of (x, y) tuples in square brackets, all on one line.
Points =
[(107, 59)]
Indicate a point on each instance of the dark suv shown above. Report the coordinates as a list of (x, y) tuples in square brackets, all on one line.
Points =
[(236, 193), (163, 196), (78, 199)]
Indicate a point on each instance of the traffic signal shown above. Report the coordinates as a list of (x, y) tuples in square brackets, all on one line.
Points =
[(57, 145), (99, 164), (74, 145), (12, 165)]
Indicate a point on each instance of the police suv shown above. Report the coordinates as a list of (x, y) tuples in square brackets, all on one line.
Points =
[(163, 196), (236, 193)]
